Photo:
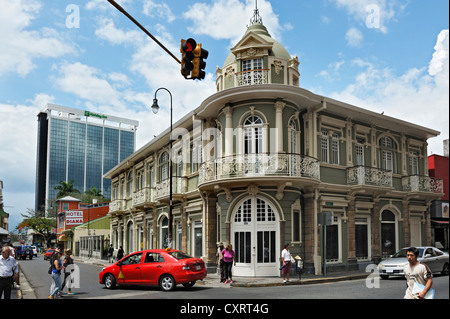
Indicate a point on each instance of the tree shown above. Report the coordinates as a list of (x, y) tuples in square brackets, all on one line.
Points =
[(39, 224), (66, 189)]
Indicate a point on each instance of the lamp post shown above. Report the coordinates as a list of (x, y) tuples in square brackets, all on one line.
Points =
[(155, 109)]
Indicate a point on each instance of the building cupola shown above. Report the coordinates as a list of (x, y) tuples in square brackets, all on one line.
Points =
[(257, 59)]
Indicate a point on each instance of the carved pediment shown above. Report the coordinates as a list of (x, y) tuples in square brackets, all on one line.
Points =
[(252, 44)]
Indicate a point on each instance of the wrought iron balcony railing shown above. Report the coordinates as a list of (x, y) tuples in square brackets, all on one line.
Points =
[(254, 165), (364, 175), (417, 183)]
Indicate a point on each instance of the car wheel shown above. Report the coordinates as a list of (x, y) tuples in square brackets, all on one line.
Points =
[(167, 283), (445, 270), (110, 281), (189, 284)]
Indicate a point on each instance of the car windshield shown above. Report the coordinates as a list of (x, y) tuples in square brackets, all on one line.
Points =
[(179, 255), (402, 253)]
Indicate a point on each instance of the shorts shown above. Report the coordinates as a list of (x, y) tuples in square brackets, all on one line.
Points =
[(286, 269)]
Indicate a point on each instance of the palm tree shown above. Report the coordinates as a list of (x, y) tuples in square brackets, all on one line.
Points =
[(65, 189), (94, 192)]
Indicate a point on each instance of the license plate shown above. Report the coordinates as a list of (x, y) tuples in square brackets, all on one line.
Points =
[(198, 267)]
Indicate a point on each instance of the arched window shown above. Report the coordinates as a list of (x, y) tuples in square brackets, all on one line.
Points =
[(130, 183), (164, 166), (253, 140), (388, 233)]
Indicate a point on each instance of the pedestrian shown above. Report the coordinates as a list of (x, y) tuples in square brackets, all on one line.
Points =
[(9, 272), (219, 261), (68, 270), (55, 288), (416, 272), (110, 253), (286, 259), (228, 258), (120, 253)]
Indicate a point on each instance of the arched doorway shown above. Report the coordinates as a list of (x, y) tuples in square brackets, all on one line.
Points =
[(255, 238), (389, 242)]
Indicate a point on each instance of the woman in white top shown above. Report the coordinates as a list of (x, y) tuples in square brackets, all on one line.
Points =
[(286, 258)]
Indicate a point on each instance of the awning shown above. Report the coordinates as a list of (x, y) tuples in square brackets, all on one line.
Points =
[(63, 237), (440, 221)]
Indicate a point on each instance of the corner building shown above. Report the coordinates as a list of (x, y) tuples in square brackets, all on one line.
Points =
[(262, 158)]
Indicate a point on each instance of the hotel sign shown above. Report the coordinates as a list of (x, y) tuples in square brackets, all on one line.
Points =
[(100, 116), (74, 217)]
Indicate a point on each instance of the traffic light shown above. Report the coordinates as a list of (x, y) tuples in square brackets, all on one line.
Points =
[(199, 64), (187, 51)]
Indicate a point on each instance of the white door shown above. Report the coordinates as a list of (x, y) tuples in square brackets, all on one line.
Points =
[(255, 238)]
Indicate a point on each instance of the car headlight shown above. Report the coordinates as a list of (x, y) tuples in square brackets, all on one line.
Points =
[(103, 269), (380, 265)]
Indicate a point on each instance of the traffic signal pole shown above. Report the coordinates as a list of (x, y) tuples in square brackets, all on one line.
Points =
[(118, 7)]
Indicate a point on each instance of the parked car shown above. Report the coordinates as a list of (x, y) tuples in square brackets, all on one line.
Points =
[(23, 252), (155, 267), (34, 250), (48, 253), (435, 258)]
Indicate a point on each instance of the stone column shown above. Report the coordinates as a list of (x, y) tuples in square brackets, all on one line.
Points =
[(351, 230), (376, 249), (228, 131), (279, 106), (406, 224), (210, 231)]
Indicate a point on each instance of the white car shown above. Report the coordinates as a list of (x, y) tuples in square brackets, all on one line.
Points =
[(435, 258), (34, 251)]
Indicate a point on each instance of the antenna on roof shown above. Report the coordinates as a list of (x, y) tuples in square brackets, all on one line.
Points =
[(256, 17)]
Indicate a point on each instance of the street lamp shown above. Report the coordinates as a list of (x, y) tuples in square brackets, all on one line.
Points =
[(155, 109)]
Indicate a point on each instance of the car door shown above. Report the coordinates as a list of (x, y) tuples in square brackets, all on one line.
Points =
[(152, 267), (130, 269), (430, 259)]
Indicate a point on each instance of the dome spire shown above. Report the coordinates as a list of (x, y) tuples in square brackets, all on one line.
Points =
[(256, 17)]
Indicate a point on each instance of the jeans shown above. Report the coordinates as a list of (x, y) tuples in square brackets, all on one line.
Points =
[(227, 269), (55, 288)]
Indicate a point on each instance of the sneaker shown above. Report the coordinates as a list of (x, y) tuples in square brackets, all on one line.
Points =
[(231, 281), (51, 297), (284, 281), (71, 293), (226, 281)]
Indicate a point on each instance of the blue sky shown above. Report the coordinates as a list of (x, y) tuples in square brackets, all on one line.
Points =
[(386, 56)]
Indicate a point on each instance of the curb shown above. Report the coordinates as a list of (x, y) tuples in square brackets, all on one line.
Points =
[(301, 282)]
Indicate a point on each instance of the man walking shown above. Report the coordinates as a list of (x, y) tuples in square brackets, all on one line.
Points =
[(416, 272), (9, 271)]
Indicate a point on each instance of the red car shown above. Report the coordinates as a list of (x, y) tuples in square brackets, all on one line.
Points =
[(165, 268), (48, 254)]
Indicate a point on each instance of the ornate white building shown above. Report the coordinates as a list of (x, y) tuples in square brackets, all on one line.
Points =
[(261, 158)]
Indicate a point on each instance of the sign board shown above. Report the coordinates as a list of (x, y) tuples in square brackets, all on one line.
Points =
[(74, 217), (325, 219)]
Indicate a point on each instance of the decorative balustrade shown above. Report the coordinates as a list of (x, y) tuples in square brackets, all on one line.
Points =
[(116, 205), (252, 77), (417, 183), (142, 196), (249, 165), (179, 186), (364, 175)]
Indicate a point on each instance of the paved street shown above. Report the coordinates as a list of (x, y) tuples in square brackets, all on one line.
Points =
[(35, 272)]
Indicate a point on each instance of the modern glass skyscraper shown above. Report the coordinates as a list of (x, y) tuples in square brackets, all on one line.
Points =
[(80, 146)]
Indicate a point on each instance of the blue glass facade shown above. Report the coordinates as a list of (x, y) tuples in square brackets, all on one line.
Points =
[(80, 151)]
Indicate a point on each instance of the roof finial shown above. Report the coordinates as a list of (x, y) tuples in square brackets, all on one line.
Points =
[(256, 17)]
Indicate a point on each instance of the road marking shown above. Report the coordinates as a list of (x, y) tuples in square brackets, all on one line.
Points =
[(124, 295)]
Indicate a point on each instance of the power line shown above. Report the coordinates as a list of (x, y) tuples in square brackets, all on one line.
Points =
[(118, 7)]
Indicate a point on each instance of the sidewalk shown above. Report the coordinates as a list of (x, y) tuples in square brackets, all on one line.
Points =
[(24, 291), (213, 280)]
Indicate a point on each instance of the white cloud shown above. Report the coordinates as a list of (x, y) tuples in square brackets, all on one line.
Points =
[(374, 14), (18, 46), (354, 37), (161, 10), (225, 19), (417, 96)]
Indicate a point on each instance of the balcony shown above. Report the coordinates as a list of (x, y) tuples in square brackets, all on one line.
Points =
[(252, 77), (179, 186), (417, 183), (117, 205), (143, 196), (260, 165), (364, 175)]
